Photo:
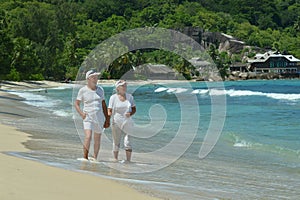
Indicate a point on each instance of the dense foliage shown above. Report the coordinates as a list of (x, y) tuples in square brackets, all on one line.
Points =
[(49, 39)]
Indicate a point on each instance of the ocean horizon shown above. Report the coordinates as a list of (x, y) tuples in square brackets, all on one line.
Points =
[(256, 157)]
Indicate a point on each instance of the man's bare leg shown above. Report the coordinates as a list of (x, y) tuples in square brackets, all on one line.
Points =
[(86, 143), (116, 154), (97, 141)]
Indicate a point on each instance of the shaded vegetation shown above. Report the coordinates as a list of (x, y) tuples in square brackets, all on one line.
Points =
[(49, 39)]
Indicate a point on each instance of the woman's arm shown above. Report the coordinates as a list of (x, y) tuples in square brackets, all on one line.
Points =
[(133, 107), (110, 106), (77, 107), (133, 111), (109, 112)]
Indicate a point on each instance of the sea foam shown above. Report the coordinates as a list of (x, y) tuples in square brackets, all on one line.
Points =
[(278, 96), (36, 99), (160, 89), (241, 93), (170, 90), (62, 113)]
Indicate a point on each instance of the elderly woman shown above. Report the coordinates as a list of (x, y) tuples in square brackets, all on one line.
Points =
[(94, 113), (121, 107)]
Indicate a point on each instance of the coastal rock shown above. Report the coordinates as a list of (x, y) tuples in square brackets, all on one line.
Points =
[(235, 73), (251, 75), (205, 38), (215, 78), (274, 76), (232, 78), (262, 76), (199, 78), (243, 75)]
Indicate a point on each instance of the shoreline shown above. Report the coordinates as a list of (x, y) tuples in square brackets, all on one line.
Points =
[(31, 85), (13, 108), (27, 85), (27, 179)]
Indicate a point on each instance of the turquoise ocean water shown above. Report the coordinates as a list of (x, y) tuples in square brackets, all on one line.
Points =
[(257, 155)]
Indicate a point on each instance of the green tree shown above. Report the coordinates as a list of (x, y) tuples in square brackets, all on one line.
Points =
[(6, 47), (221, 60), (51, 38), (25, 60)]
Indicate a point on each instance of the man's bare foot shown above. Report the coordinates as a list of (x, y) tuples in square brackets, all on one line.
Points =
[(125, 161)]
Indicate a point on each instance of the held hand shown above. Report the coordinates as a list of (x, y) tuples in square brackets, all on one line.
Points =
[(106, 124), (128, 114)]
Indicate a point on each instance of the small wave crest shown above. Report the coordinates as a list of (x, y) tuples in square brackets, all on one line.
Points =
[(239, 142), (241, 93), (62, 87), (160, 89), (278, 96), (231, 93), (242, 144), (36, 100), (41, 101), (62, 113), (170, 90), (200, 91)]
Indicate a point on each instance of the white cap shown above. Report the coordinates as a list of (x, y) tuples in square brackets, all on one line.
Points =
[(91, 73), (120, 82)]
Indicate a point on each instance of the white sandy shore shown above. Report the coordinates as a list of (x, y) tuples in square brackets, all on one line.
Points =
[(22, 179), (12, 85)]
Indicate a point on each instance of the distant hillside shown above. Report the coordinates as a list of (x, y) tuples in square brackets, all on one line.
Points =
[(49, 39)]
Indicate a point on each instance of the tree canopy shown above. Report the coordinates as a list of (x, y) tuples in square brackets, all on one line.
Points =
[(49, 39)]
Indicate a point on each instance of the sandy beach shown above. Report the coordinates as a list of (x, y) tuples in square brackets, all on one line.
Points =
[(27, 85), (22, 179), (25, 179), (255, 158), (12, 85)]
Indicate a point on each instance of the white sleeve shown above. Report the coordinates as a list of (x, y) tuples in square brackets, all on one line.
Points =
[(80, 95), (131, 100), (100, 92), (111, 101)]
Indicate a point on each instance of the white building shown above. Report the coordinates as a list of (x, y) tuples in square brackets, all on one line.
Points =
[(275, 62)]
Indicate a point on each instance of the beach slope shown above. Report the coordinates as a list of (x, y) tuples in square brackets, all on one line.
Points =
[(22, 179)]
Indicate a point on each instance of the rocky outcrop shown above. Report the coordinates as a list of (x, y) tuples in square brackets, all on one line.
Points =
[(235, 75), (223, 41)]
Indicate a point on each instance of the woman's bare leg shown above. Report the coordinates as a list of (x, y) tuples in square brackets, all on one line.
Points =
[(86, 143), (116, 135), (128, 148), (97, 141), (128, 154), (116, 154)]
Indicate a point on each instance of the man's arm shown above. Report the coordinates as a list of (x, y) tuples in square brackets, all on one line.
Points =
[(107, 116), (77, 107)]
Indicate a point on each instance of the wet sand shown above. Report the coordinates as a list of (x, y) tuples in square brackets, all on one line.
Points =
[(27, 179)]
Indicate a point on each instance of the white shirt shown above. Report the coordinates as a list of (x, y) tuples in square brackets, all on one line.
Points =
[(120, 108), (92, 99)]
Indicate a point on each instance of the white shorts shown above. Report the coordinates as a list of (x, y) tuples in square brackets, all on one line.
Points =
[(116, 135), (94, 122)]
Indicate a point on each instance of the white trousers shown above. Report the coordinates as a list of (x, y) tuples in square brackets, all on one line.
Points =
[(116, 135)]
